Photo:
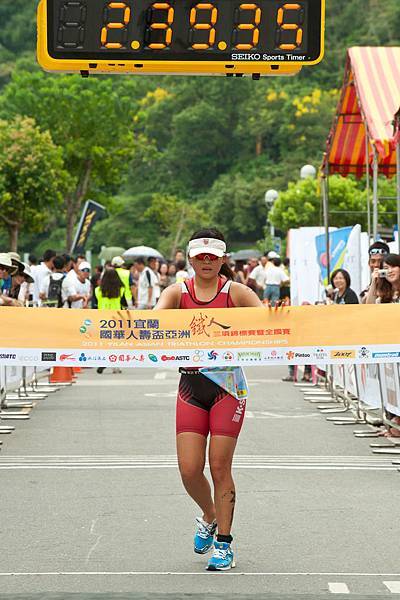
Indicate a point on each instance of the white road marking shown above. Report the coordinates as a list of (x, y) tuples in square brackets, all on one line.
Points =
[(338, 588), (162, 375), (393, 586), (263, 414), (93, 548), (191, 573)]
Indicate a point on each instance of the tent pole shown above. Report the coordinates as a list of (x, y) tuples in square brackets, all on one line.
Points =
[(367, 184), (398, 191), (325, 200), (375, 195)]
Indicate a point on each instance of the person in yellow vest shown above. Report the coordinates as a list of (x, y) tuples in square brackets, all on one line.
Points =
[(118, 264), (109, 294)]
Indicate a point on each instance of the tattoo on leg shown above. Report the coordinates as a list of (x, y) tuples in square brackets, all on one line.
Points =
[(232, 495)]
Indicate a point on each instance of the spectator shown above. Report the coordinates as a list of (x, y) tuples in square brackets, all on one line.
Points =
[(377, 251), (285, 289), (32, 260), (7, 269), (181, 272), (341, 282), (385, 282), (153, 264), (25, 295), (95, 282), (146, 286), (20, 281), (172, 273), (50, 292), (164, 278), (238, 270), (275, 277), (110, 290), (40, 272), (118, 263), (257, 277), (68, 263), (76, 287), (180, 256)]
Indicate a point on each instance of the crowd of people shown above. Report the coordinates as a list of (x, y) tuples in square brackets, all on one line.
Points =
[(63, 281)]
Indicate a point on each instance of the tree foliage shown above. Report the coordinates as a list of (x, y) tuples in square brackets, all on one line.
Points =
[(32, 177)]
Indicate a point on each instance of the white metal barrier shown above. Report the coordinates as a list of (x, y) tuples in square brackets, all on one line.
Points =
[(369, 394)]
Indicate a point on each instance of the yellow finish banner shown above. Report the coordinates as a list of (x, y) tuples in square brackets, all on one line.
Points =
[(201, 338)]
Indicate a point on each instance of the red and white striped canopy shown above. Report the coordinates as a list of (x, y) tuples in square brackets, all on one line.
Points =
[(369, 100)]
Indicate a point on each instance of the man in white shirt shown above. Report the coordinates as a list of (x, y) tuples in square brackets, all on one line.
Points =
[(257, 277), (76, 287), (275, 277), (41, 271), (146, 291)]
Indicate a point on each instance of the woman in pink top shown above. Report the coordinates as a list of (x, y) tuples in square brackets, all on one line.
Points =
[(203, 407)]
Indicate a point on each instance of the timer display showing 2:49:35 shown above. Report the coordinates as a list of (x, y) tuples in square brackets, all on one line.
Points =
[(180, 26)]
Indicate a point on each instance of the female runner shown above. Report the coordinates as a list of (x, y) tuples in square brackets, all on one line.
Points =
[(203, 407)]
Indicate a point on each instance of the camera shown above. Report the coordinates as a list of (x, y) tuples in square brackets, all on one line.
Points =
[(382, 273)]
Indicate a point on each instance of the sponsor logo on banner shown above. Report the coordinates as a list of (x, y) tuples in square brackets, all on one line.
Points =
[(364, 352), (320, 354), (127, 358), (212, 355), (49, 356), (385, 354), (153, 358), (273, 355), (92, 357), (165, 357), (198, 355), (67, 357), (26, 357), (86, 325), (291, 355), (11, 357), (343, 354), (250, 356), (228, 356)]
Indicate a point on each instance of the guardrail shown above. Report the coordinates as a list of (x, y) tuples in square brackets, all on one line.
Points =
[(21, 388), (366, 394)]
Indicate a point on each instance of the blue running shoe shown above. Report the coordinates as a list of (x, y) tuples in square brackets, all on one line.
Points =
[(222, 558), (204, 537)]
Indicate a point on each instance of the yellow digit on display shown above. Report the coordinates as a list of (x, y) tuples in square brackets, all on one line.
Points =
[(295, 27), (166, 26), (204, 26), (251, 26), (115, 25)]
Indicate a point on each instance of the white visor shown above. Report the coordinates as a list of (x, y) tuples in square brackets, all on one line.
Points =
[(207, 246)]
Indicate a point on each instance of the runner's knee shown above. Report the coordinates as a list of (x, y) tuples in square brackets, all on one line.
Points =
[(190, 471), (220, 469)]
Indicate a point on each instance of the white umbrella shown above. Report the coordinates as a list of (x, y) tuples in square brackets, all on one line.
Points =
[(143, 251)]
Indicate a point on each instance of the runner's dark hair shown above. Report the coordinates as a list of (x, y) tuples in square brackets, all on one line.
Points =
[(225, 269), (111, 284)]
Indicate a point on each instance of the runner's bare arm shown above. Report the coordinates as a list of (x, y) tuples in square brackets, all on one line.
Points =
[(243, 296), (170, 298)]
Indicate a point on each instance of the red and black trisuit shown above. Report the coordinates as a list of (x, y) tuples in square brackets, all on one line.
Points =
[(202, 405)]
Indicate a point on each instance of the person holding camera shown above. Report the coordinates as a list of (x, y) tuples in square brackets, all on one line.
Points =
[(385, 281)]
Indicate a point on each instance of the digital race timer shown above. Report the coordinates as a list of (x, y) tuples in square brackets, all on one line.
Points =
[(265, 37)]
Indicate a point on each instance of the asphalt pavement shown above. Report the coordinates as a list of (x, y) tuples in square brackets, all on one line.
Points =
[(92, 505)]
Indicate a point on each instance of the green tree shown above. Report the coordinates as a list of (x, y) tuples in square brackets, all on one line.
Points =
[(91, 120), (176, 221), (300, 204), (32, 177)]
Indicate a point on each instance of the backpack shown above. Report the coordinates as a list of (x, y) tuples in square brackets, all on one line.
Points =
[(54, 297)]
